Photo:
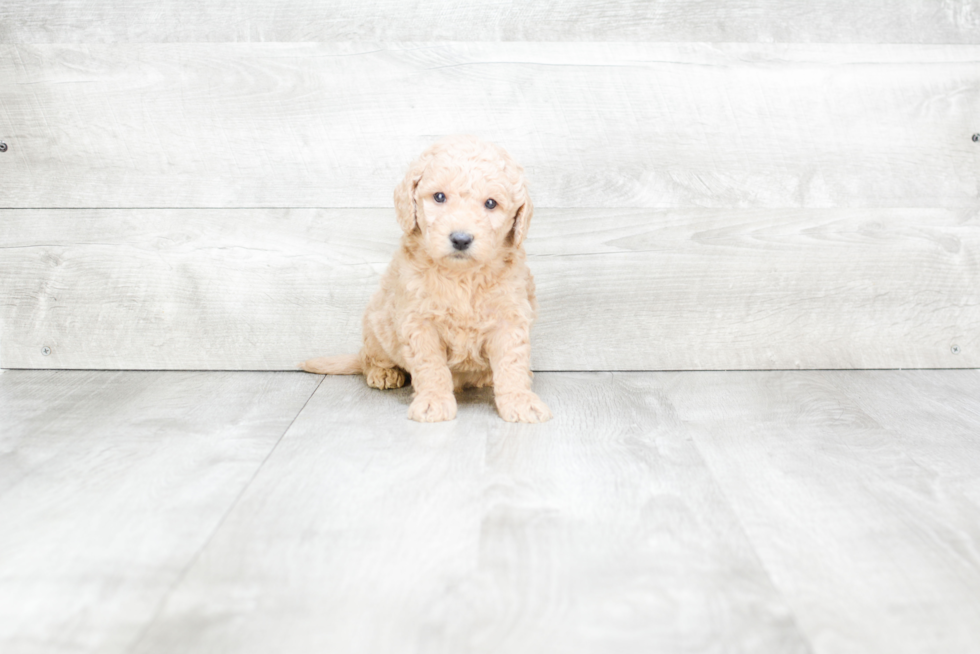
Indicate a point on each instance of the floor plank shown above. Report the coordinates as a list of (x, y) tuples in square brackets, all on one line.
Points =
[(110, 483), (838, 21), (601, 531), (861, 493), (673, 512)]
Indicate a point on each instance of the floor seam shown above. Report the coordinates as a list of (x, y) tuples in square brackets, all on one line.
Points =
[(231, 507), (722, 490)]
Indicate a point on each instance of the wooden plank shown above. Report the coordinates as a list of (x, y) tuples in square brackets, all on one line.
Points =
[(596, 124), (834, 21), (763, 290), (224, 289), (938, 430), (869, 528), (600, 531), (619, 289), (110, 483)]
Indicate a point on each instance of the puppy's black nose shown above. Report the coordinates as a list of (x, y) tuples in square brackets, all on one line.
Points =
[(461, 240)]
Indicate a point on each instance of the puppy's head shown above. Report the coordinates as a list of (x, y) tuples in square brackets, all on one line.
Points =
[(466, 200)]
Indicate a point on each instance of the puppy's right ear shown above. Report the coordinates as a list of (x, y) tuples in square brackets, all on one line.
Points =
[(406, 207)]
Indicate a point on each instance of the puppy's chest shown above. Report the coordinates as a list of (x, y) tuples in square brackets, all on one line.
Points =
[(464, 328), (467, 319)]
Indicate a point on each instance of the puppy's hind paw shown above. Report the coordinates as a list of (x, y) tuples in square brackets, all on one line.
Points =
[(384, 378), (522, 407), (429, 407)]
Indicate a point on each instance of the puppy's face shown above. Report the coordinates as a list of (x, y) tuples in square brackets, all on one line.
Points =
[(467, 199), (464, 213)]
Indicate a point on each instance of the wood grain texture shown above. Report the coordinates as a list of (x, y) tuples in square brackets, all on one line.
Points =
[(859, 491), (600, 531), (626, 289), (838, 21), (110, 483), (596, 124), (775, 512)]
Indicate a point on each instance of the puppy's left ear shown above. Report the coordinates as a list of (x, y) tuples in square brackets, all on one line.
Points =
[(523, 219), (406, 208)]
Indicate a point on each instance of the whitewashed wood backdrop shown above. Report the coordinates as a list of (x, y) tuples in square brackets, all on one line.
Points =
[(720, 185)]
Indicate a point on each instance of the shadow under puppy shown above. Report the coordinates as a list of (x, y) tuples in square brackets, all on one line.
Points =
[(456, 304)]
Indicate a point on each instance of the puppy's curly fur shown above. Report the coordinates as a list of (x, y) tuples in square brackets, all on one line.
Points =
[(456, 305)]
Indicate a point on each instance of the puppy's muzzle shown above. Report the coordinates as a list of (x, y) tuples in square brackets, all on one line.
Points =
[(461, 240)]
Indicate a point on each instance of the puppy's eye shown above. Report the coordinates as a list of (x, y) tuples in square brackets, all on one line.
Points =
[(439, 197), (490, 204)]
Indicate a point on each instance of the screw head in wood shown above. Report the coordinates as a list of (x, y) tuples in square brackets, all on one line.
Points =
[(45, 350), (3, 146), (976, 138), (955, 349)]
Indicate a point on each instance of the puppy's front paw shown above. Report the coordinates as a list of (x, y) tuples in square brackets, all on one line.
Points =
[(430, 407), (522, 407), (384, 377)]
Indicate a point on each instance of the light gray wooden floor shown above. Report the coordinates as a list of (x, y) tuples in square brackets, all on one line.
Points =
[(153, 512)]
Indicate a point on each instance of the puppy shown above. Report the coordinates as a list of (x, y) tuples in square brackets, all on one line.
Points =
[(456, 304)]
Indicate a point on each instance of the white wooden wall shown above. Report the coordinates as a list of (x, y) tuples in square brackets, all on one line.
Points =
[(720, 185)]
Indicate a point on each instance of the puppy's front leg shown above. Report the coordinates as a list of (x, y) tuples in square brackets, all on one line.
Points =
[(509, 349), (431, 378)]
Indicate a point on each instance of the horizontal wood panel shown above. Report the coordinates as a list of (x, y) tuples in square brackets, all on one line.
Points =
[(838, 21), (595, 124), (620, 289)]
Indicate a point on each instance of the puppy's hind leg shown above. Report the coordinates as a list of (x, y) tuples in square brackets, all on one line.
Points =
[(384, 376), (379, 370)]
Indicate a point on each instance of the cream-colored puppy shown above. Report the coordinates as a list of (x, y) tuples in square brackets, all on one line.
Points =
[(456, 305)]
